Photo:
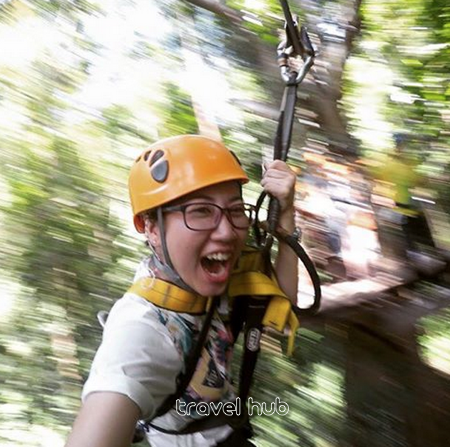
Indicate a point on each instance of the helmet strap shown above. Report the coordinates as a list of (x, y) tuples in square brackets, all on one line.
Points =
[(162, 232), (166, 267)]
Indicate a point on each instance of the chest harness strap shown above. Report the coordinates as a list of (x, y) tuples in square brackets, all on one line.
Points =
[(247, 286)]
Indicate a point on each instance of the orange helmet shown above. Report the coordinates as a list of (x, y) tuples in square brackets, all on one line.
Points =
[(174, 167)]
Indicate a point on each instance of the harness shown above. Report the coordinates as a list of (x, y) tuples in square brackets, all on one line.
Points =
[(246, 279), (248, 286)]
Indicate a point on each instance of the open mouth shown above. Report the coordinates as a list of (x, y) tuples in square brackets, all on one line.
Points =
[(216, 264)]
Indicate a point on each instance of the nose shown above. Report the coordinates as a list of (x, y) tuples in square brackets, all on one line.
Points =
[(225, 230)]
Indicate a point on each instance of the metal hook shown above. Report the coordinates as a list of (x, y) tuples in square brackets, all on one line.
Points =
[(296, 44)]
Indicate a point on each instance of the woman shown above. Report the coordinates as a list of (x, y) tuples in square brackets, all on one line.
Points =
[(187, 199)]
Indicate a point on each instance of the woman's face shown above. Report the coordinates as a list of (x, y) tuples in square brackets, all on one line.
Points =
[(204, 259)]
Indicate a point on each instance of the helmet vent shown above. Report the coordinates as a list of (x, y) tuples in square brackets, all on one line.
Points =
[(156, 156), (160, 171), (146, 155)]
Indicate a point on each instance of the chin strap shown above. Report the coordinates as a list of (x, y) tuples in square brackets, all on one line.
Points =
[(166, 267)]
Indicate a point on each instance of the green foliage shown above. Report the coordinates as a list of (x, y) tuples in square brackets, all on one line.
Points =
[(311, 382), (119, 121), (60, 238), (61, 8), (58, 246), (265, 18), (406, 44), (66, 245), (177, 114)]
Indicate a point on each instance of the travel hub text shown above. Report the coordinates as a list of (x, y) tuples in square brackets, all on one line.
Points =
[(232, 408)]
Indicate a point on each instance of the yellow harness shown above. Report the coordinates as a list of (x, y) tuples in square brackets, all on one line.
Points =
[(246, 279)]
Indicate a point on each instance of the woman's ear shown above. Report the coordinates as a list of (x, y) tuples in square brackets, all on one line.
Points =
[(151, 231)]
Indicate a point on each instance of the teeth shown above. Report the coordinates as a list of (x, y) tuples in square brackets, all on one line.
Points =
[(218, 256)]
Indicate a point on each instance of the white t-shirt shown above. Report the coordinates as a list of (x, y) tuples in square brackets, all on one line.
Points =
[(142, 351)]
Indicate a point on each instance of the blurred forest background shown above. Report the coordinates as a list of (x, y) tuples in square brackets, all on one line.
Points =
[(85, 86)]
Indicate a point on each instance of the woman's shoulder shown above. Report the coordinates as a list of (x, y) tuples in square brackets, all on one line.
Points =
[(132, 309)]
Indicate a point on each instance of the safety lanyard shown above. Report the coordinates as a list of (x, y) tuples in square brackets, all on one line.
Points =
[(296, 44)]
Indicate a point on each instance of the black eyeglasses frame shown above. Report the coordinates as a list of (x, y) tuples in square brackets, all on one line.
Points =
[(248, 208)]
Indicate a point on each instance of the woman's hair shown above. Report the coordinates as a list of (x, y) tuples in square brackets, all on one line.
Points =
[(149, 214)]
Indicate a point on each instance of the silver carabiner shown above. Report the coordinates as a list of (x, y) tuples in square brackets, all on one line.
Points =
[(296, 44)]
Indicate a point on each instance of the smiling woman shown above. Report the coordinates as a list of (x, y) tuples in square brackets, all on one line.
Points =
[(205, 255), (186, 195)]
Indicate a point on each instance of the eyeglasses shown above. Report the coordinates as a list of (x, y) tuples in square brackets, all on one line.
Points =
[(207, 216)]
